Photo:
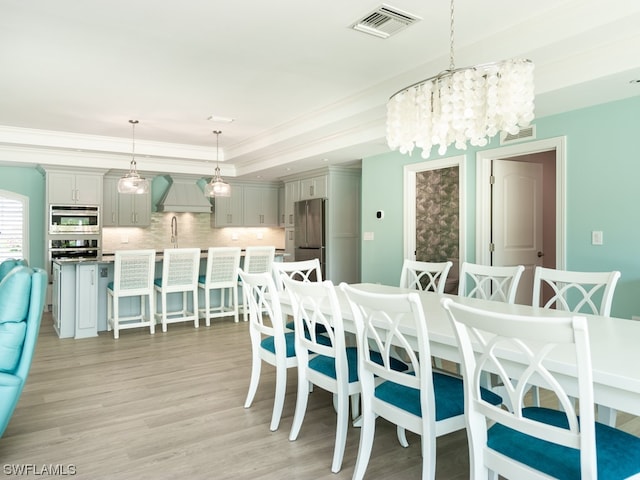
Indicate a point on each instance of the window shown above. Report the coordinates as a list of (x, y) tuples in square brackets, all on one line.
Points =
[(14, 237)]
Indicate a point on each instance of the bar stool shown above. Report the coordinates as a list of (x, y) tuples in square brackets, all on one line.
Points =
[(133, 277), (221, 274), (256, 260), (179, 275)]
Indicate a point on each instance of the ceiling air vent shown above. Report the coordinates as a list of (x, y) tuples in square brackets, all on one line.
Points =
[(384, 21), (528, 133)]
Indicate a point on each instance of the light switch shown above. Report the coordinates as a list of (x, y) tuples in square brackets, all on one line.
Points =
[(234, 236), (368, 236), (596, 237)]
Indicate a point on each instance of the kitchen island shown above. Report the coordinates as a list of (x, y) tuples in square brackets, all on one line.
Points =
[(79, 293)]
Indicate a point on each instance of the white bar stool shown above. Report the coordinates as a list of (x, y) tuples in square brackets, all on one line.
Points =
[(221, 274), (179, 275), (133, 277), (256, 260)]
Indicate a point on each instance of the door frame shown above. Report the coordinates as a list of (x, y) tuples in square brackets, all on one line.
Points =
[(483, 193), (409, 209)]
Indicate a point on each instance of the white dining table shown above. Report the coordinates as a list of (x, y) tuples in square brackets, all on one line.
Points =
[(615, 343)]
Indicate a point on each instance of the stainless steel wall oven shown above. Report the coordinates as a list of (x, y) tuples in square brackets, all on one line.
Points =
[(74, 219)]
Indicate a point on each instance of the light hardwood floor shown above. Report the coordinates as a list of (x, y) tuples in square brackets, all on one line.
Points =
[(171, 406)]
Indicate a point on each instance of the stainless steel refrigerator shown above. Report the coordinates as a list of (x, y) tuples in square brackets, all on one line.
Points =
[(309, 231)]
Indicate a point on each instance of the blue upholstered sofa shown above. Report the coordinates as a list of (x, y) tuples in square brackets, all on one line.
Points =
[(22, 292)]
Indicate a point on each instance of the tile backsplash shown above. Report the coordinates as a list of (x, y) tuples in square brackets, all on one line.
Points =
[(194, 230)]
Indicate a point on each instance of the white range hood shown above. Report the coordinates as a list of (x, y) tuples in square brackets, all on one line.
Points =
[(184, 195)]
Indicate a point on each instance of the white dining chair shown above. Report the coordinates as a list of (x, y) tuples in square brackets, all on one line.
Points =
[(425, 276), (489, 282), (423, 401), (577, 292), (133, 275), (180, 268), (221, 275), (303, 271), (323, 360), (256, 260), (269, 342), (528, 441)]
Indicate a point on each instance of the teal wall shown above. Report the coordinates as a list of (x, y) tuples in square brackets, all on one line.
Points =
[(28, 181), (603, 193)]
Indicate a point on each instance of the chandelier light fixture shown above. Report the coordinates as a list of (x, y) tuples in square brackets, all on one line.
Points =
[(216, 186), (461, 104), (132, 182)]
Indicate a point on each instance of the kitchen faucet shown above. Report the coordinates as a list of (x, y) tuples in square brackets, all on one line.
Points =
[(174, 231)]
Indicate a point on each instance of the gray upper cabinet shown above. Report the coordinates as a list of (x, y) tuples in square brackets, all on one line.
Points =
[(228, 210), (260, 206), (123, 210), (314, 187), (69, 188)]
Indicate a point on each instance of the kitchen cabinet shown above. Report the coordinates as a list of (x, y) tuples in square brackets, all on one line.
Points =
[(314, 187), (124, 210), (67, 188), (229, 210), (74, 299), (63, 299), (291, 195), (134, 210), (289, 243), (110, 202), (281, 214), (260, 206), (86, 307)]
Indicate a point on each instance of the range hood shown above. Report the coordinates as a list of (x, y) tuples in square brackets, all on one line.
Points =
[(184, 196)]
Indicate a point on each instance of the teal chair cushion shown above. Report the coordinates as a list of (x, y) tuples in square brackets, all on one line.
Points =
[(268, 343), (448, 392), (327, 365), (618, 452)]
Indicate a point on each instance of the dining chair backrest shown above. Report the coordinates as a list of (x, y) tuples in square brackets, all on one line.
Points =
[(180, 268), (258, 259), (490, 341), (265, 313), (303, 271), (489, 282), (316, 309), (133, 272), (426, 276), (578, 292), (222, 267)]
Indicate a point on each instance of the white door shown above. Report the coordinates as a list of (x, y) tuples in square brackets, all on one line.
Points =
[(516, 203)]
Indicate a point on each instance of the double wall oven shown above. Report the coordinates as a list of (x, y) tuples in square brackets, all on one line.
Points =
[(74, 233)]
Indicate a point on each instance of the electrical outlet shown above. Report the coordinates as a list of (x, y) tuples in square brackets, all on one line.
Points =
[(104, 272)]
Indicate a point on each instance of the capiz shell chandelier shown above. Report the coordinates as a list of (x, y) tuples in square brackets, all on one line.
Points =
[(458, 105)]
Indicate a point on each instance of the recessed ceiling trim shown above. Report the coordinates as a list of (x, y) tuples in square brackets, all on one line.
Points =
[(384, 21)]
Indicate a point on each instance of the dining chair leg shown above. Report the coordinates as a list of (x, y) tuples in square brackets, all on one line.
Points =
[(401, 433), (342, 424), (367, 431), (164, 312), (278, 403), (256, 365), (235, 304), (152, 314), (207, 307), (428, 445), (607, 415), (355, 406), (301, 406)]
